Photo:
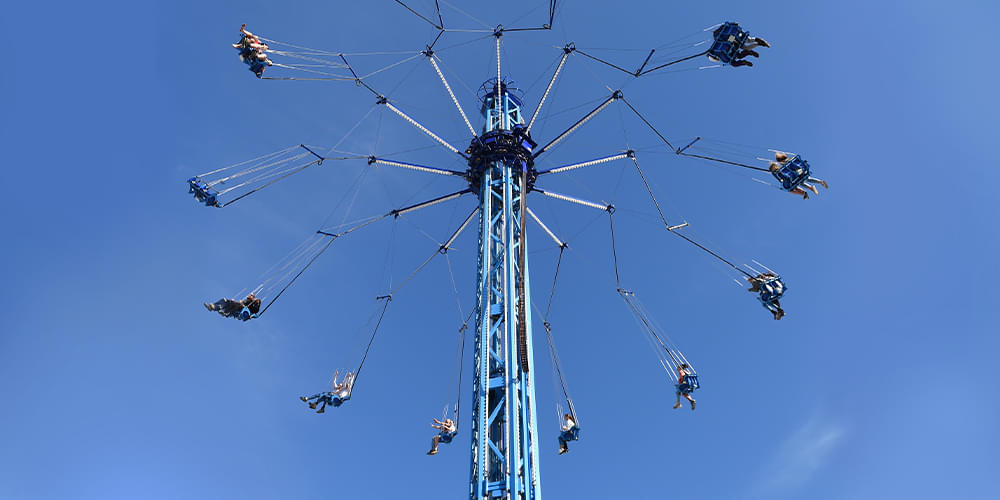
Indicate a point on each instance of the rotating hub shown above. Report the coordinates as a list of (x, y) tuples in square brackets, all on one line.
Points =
[(510, 147)]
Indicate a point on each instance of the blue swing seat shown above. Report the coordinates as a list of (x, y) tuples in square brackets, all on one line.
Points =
[(793, 173), (689, 385), (202, 192), (446, 437), (771, 290), (729, 40), (257, 67), (244, 315), (572, 434)]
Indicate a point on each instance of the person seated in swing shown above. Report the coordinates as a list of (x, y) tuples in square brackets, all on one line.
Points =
[(780, 159), (739, 60), (570, 432), (340, 392), (253, 51), (448, 430), (232, 308), (729, 34), (684, 387), (771, 288)]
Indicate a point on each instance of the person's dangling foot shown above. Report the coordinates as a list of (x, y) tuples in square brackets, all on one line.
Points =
[(677, 405), (304, 399), (321, 410), (209, 306), (825, 185), (433, 452), (564, 450), (741, 63), (692, 404), (312, 405)]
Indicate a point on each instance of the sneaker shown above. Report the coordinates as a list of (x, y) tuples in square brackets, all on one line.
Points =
[(304, 399), (825, 185), (762, 42), (677, 405), (432, 452), (563, 451), (209, 306), (312, 405), (321, 410), (692, 405), (813, 189)]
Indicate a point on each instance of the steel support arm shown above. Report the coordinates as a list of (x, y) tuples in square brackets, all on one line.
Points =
[(567, 50), (414, 166), (435, 201), (614, 97), (430, 57), (447, 245), (598, 161), (394, 109), (578, 201), (545, 228)]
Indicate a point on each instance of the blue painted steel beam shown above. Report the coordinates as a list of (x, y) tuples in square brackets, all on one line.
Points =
[(504, 424)]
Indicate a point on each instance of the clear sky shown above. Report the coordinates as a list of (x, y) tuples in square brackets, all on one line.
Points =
[(879, 383)]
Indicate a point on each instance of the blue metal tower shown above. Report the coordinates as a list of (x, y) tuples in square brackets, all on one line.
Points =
[(504, 423)]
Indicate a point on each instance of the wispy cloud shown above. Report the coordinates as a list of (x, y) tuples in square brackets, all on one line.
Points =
[(802, 454)]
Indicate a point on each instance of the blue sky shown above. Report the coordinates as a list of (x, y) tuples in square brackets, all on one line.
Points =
[(879, 382)]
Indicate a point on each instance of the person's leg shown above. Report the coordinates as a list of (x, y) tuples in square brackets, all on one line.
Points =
[(744, 53), (810, 187), (800, 192), (741, 63), (322, 409), (756, 42), (678, 403), (563, 446), (819, 181), (434, 444)]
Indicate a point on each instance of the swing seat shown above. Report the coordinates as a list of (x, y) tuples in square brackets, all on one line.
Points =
[(689, 385), (729, 40), (792, 173), (257, 67), (771, 290), (244, 315), (446, 437), (572, 434), (202, 192)]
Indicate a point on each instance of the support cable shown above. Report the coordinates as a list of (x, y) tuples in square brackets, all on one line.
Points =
[(673, 229), (650, 125), (357, 373), (441, 250)]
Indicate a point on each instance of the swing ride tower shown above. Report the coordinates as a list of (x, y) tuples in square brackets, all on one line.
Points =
[(504, 429), (501, 171)]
